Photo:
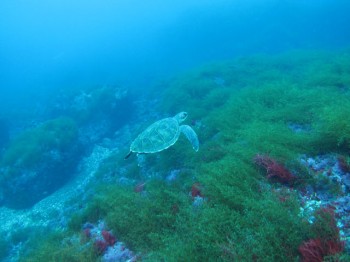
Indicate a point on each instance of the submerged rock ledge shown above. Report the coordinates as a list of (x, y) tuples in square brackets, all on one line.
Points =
[(52, 211)]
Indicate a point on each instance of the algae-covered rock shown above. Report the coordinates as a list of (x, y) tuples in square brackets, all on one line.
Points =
[(38, 161)]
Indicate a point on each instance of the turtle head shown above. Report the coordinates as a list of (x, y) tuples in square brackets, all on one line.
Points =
[(181, 116)]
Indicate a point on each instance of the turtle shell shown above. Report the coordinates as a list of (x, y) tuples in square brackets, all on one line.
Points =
[(157, 137)]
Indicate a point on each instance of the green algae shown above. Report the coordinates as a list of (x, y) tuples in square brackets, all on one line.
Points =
[(38, 161), (334, 124), (4, 248), (282, 106), (28, 148), (60, 246), (237, 210), (138, 218), (276, 112)]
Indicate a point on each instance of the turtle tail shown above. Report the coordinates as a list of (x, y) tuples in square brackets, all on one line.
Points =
[(127, 156)]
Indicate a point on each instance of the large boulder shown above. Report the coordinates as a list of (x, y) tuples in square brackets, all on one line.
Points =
[(38, 162)]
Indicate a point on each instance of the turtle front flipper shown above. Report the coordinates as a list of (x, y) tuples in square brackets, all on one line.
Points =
[(191, 136)]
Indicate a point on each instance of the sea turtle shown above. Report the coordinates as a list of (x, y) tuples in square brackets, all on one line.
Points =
[(163, 134)]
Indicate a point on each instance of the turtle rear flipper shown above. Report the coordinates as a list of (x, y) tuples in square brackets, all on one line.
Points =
[(127, 156), (191, 136)]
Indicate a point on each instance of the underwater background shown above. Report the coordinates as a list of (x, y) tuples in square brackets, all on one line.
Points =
[(265, 84)]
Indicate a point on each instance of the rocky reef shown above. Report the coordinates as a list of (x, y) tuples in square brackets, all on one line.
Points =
[(269, 183)]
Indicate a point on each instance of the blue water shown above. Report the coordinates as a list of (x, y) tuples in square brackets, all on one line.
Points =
[(50, 44)]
